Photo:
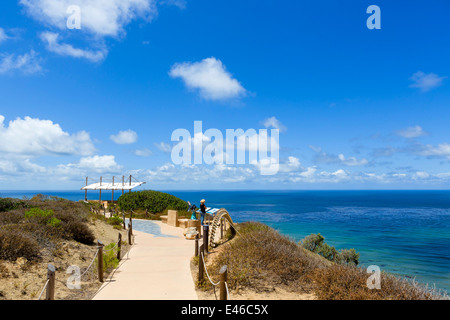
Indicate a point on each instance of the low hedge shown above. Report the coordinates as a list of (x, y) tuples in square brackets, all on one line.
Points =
[(153, 201)]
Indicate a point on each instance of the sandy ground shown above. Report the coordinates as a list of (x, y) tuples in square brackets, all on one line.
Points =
[(24, 280)]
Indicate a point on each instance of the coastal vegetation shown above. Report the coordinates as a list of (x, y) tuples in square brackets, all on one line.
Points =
[(41, 230), (41, 223), (315, 243), (261, 259), (152, 204)]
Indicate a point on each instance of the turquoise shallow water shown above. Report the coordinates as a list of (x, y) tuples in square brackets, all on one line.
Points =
[(403, 232)]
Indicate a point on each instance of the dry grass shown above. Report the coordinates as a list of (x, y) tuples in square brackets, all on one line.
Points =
[(28, 244), (25, 235), (261, 259)]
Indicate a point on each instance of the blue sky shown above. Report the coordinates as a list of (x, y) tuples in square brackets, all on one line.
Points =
[(357, 108)]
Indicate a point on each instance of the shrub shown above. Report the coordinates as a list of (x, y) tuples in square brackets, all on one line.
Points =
[(110, 260), (15, 244), (54, 222), (260, 257), (78, 231), (115, 220), (315, 243), (153, 201), (7, 204), (38, 213), (340, 282)]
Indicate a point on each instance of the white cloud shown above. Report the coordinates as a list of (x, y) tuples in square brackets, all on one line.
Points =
[(421, 175), (352, 161), (28, 63), (442, 149), (52, 44), (125, 137), (273, 122), (336, 176), (98, 17), (143, 152), (210, 77), (3, 35), (30, 136), (163, 147), (51, 41), (323, 157), (98, 163), (426, 82), (412, 132)]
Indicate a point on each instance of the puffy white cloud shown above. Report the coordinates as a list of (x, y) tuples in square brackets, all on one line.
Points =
[(273, 122), (412, 132), (421, 175), (143, 152), (426, 82), (28, 63), (31, 136), (98, 17), (100, 163), (336, 176), (125, 137), (164, 147), (352, 161), (210, 77), (441, 150), (51, 41)]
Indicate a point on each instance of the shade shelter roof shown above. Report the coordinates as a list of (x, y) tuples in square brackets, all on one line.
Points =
[(112, 186)]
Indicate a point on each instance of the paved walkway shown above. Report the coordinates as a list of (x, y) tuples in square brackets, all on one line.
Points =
[(157, 267)]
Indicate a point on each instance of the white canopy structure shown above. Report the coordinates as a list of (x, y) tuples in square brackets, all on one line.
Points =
[(114, 185)]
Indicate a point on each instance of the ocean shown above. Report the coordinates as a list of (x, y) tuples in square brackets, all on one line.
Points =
[(403, 232)]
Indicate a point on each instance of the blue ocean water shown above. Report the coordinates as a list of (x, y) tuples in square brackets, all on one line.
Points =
[(402, 232)]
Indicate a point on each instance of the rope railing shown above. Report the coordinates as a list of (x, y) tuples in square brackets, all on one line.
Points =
[(51, 278), (222, 283), (93, 259), (206, 270), (45, 286)]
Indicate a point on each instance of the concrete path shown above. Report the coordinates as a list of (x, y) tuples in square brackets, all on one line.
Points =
[(157, 267)]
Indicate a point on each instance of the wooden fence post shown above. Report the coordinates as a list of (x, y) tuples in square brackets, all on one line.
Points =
[(100, 260), (123, 218), (223, 278), (205, 238), (196, 245), (119, 246), (51, 271), (200, 265), (130, 233)]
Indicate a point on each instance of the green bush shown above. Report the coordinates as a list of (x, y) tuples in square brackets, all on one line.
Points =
[(110, 260), (316, 244), (38, 213), (7, 204), (153, 201), (115, 220), (54, 222)]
